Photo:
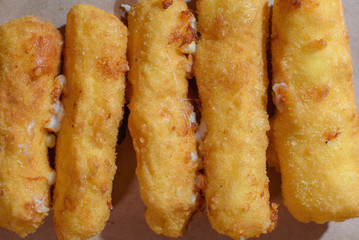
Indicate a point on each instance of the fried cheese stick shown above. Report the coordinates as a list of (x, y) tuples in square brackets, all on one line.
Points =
[(30, 52), (230, 68), (161, 121), (94, 64), (316, 126)]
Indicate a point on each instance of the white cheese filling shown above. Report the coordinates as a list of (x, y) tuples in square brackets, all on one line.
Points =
[(201, 131), (126, 7), (194, 156), (57, 109), (279, 89), (50, 140), (51, 178), (194, 198), (192, 117), (190, 47), (40, 205)]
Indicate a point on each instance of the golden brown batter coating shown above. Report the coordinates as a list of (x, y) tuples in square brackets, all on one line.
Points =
[(230, 68), (30, 53), (272, 157), (161, 121), (95, 63), (316, 127)]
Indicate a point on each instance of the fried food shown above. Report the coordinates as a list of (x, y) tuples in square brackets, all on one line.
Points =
[(272, 157), (161, 121), (95, 64), (230, 68), (30, 52), (316, 126)]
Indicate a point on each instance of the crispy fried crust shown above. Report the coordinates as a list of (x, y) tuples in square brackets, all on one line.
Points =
[(160, 116), (272, 157), (30, 53), (230, 68), (316, 126), (95, 63)]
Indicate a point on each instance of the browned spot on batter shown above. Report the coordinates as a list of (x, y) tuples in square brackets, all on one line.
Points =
[(40, 94), (201, 182), (204, 154), (296, 3), (166, 3), (108, 166), (356, 127), (56, 92), (38, 71), (29, 205), (210, 210), (186, 129), (73, 115), (314, 94), (184, 33), (109, 205), (354, 115), (94, 167), (161, 114), (69, 203), (309, 150), (247, 205), (33, 178), (2, 192), (45, 50), (112, 68), (330, 136), (317, 45), (274, 37), (322, 92), (104, 190), (273, 217), (252, 179), (280, 90), (12, 100)]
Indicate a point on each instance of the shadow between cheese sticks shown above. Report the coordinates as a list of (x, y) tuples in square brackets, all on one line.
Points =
[(316, 125), (161, 120), (230, 68), (94, 65)]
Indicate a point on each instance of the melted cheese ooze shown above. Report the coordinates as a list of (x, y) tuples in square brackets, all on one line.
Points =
[(57, 109), (190, 48), (202, 130), (40, 206)]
